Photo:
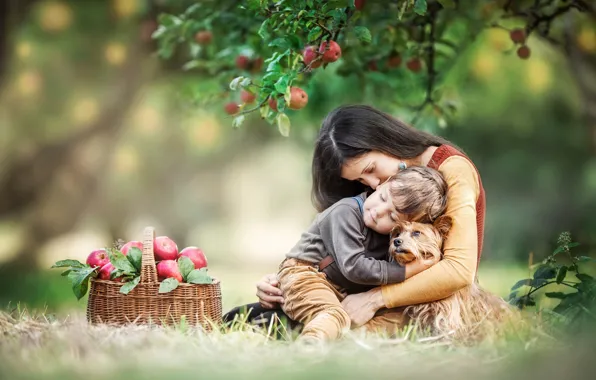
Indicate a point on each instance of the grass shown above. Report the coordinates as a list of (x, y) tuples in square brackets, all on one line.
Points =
[(37, 346)]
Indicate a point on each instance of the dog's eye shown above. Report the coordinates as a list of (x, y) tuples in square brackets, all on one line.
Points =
[(415, 233)]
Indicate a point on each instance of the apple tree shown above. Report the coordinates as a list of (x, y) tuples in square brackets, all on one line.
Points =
[(402, 51)]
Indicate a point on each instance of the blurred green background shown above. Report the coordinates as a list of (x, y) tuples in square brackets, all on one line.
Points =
[(100, 138)]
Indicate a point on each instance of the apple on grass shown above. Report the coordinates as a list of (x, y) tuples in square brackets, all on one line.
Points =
[(164, 248), (196, 255), (98, 258), (168, 269)]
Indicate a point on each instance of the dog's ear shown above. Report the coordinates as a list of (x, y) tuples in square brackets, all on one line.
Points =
[(443, 225), (396, 230)]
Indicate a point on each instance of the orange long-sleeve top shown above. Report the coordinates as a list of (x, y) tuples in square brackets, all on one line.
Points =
[(462, 247)]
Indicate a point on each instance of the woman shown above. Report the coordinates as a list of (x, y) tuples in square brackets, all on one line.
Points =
[(359, 147)]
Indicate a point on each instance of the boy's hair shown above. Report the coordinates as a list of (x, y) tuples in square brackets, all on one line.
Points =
[(419, 192)]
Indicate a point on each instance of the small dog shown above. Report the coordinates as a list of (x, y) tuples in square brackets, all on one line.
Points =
[(471, 313)]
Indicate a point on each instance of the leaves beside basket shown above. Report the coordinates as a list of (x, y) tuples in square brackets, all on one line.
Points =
[(189, 275)]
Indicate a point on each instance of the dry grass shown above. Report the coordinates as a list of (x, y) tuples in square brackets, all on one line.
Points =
[(36, 346)]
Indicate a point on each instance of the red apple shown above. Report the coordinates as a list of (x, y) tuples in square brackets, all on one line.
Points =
[(168, 269), (332, 54), (524, 52), (105, 271), (359, 4), (195, 255), (231, 108), (129, 245), (256, 65), (247, 97), (518, 36), (98, 258), (204, 37), (164, 248), (273, 104), (414, 65), (242, 62), (298, 98), (309, 55), (394, 61)]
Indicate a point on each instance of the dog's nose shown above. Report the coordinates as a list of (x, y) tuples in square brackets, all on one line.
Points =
[(397, 242)]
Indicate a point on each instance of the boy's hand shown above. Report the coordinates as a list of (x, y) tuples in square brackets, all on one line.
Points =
[(418, 266), (268, 291)]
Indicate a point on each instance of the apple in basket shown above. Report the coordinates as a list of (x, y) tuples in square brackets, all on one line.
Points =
[(98, 258), (106, 271), (168, 269), (164, 248), (130, 245), (196, 255)]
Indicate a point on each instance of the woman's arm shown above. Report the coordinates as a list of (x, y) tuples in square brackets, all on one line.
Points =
[(458, 266)]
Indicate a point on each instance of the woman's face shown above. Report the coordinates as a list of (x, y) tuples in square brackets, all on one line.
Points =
[(372, 168)]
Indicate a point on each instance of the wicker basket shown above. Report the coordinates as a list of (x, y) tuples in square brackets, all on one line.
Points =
[(200, 304)]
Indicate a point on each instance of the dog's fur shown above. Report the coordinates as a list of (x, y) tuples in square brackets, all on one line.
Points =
[(471, 313)]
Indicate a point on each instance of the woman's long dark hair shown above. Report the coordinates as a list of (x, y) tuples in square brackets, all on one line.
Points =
[(350, 131)]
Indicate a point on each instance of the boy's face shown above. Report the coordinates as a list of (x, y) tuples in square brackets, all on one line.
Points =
[(379, 212)]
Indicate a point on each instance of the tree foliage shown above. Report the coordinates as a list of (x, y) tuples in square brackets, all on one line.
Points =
[(402, 51)]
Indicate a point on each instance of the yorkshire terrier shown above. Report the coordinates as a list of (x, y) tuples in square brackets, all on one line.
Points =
[(470, 313)]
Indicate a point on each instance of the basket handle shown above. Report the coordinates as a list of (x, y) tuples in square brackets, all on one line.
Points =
[(148, 271)]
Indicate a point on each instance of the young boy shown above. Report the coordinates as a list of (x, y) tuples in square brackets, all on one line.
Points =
[(345, 250)]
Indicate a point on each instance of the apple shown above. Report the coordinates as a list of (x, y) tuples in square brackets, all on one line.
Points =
[(204, 37), (257, 64), (129, 245), (231, 108), (242, 62), (394, 61), (414, 64), (523, 52), (298, 98), (98, 258), (247, 97), (195, 255), (358, 4), (273, 104), (518, 36), (309, 55), (168, 269), (372, 66), (164, 248), (332, 54), (106, 271)]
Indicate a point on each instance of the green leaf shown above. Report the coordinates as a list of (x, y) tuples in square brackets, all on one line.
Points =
[(420, 7), (363, 34), (281, 42), (126, 288), (185, 265), (199, 276), (245, 82), (66, 272), (584, 277), (119, 261), (583, 259), (169, 20), (315, 33), (520, 283), (135, 256), (449, 4), (168, 285), (282, 84), (283, 124), (69, 263), (556, 295), (238, 120), (79, 279), (263, 32), (545, 272), (561, 275), (253, 4)]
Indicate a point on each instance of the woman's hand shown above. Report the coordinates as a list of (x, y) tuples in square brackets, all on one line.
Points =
[(268, 291), (361, 307)]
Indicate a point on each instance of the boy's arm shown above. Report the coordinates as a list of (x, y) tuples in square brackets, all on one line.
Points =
[(341, 231)]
